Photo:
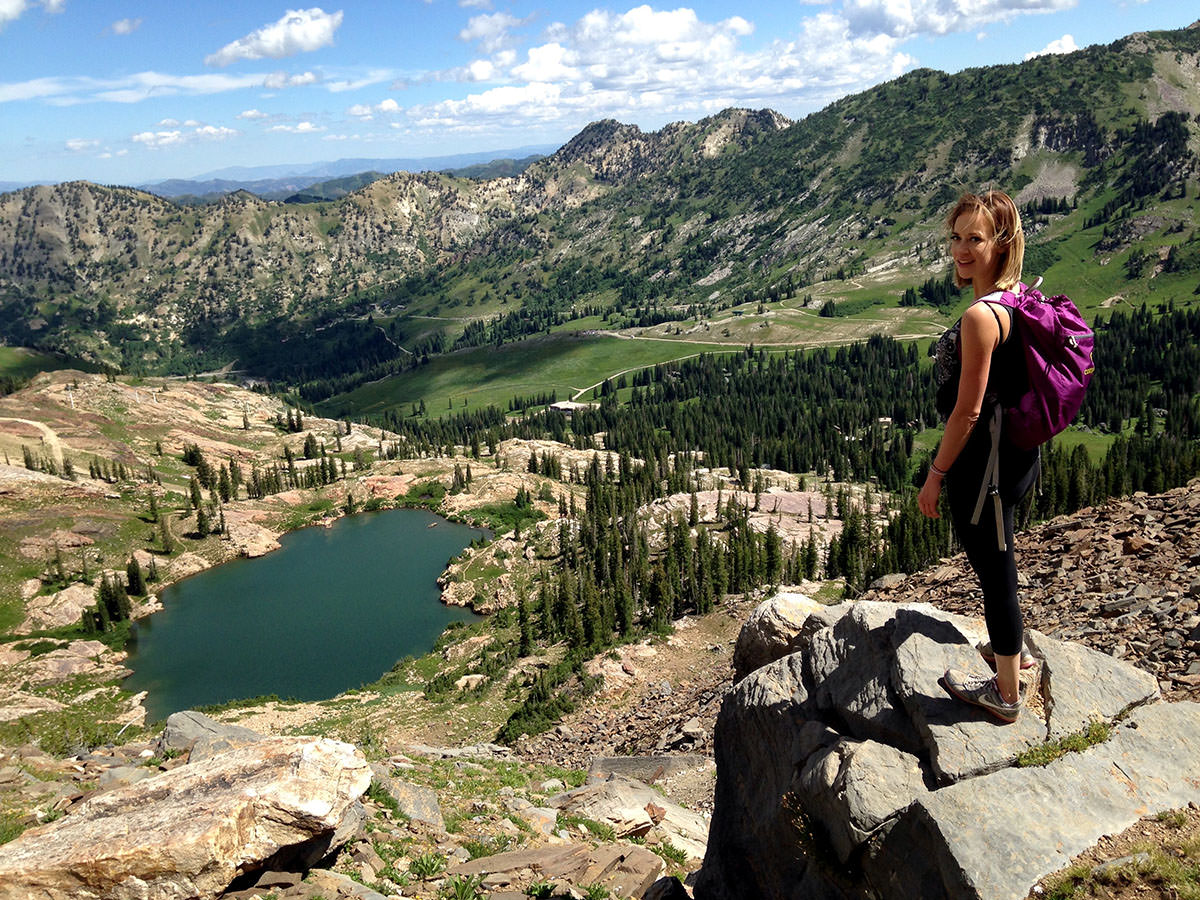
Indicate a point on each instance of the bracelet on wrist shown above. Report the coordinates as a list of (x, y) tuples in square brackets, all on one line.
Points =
[(941, 473)]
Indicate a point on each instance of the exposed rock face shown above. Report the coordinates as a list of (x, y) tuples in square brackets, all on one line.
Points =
[(189, 832), (417, 802), (772, 631), (848, 756), (632, 809)]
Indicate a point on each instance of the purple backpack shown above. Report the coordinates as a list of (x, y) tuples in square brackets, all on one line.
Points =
[(1058, 358)]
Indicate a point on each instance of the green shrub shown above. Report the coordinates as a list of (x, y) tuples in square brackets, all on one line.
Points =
[(427, 865)]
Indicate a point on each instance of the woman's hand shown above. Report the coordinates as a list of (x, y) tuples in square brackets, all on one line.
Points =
[(927, 499)]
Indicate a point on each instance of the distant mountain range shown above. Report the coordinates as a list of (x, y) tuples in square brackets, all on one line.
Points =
[(1097, 146), (278, 182)]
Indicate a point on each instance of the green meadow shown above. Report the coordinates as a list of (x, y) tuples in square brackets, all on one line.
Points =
[(490, 376), (19, 362)]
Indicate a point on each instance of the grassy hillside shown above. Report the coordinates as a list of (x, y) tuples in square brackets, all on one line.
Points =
[(732, 230)]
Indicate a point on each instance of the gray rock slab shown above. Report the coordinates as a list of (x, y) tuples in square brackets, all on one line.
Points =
[(849, 666), (203, 737), (852, 788), (762, 736), (417, 802), (1082, 684), (772, 631), (632, 809), (647, 769), (960, 740), (995, 836), (341, 885)]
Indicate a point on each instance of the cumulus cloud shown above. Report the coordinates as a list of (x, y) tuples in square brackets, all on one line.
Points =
[(907, 18), (367, 112), (657, 63), (490, 31), (1065, 44), (299, 31), (125, 26), (475, 4), (13, 9), (177, 137), (81, 145), (277, 81), (298, 128), (252, 114)]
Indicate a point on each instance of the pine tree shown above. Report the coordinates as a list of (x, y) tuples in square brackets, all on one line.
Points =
[(525, 645), (133, 574), (194, 489)]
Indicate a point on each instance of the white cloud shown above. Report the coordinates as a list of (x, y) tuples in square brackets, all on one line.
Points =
[(125, 26), (176, 137), (252, 114), (168, 123), (11, 10), (659, 64), (298, 128), (80, 145), (277, 81), (299, 31), (157, 140), (550, 62), (373, 76), (490, 31), (906, 18), (475, 4), (366, 112), (1065, 44), (67, 91)]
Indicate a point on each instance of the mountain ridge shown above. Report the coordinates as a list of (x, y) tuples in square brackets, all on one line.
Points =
[(741, 205)]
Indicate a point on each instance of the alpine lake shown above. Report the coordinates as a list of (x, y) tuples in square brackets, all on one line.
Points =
[(333, 609)]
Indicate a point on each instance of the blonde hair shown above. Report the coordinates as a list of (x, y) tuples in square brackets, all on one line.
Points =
[(1001, 213)]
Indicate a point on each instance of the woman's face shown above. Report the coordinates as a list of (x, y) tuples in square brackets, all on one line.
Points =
[(973, 246)]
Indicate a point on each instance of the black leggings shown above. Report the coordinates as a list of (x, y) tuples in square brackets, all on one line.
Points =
[(995, 568)]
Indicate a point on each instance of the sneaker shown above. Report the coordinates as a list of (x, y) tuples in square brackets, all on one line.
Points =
[(982, 692), (1028, 660)]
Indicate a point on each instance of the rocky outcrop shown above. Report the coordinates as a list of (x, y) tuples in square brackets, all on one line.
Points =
[(189, 832), (774, 630), (847, 756), (624, 870), (632, 809)]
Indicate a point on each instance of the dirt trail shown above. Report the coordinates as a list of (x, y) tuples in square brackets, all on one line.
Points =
[(49, 439)]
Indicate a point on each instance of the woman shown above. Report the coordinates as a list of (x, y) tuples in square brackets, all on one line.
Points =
[(981, 369)]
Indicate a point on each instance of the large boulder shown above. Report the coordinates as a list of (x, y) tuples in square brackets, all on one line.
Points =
[(775, 628), (201, 737), (845, 767), (189, 832)]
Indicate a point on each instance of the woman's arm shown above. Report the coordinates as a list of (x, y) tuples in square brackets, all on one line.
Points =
[(978, 338)]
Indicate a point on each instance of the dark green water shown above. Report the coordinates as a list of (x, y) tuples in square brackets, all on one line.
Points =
[(333, 609)]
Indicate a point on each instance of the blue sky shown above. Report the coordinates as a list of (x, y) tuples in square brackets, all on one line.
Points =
[(128, 93)]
